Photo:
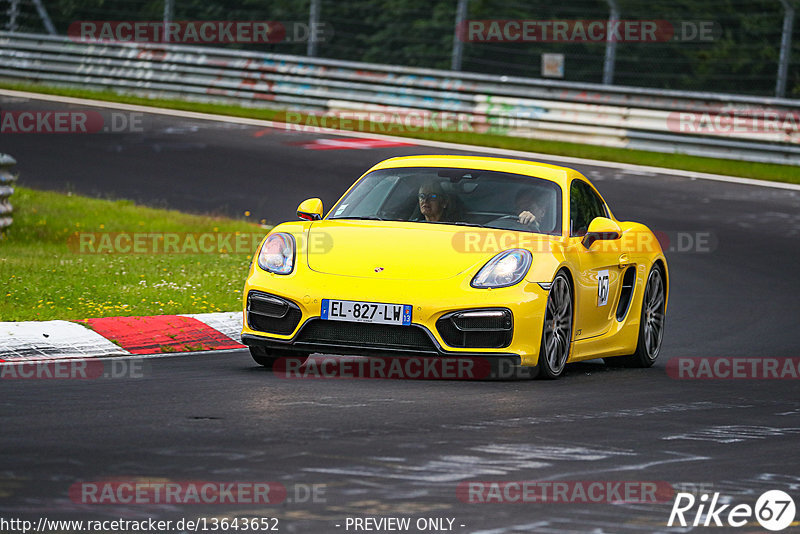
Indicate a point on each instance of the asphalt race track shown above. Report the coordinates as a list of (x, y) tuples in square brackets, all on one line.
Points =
[(400, 448)]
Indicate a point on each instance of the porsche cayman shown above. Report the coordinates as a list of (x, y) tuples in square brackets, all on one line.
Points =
[(452, 256)]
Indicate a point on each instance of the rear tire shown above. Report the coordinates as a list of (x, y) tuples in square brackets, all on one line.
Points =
[(557, 331), (267, 359), (651, 324)]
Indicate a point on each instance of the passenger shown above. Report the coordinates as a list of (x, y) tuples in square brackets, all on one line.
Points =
[(433, 202)]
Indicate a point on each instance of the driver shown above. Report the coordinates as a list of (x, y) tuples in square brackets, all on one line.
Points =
[(531, 208)]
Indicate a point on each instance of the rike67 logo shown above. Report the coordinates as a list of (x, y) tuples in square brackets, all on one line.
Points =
[(774, 510)]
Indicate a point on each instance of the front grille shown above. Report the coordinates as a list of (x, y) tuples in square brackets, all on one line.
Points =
[(367, 335), (272, 314), (477, 329)]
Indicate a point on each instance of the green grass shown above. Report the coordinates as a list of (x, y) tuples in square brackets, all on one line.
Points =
[(761, 171), (43, 277)]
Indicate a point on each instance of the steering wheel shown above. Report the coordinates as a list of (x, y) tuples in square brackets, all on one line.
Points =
[(510, 222)]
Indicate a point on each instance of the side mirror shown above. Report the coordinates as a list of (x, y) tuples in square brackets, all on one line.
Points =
[(601, 228), (310, 209)]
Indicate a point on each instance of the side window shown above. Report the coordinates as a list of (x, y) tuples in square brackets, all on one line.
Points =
[(576, 215), (599, 206), (584, 206)]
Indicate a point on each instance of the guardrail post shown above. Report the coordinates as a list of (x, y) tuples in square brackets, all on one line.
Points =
[(458, 44), (6, 190), (786, 48), (611, 43), (313, 21)]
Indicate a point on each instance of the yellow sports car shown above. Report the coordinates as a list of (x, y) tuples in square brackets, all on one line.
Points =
[(462, 257)]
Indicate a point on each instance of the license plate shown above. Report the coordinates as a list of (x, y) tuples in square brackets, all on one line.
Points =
[(366, 312)]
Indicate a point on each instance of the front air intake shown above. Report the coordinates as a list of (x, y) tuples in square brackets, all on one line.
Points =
[(477, 329), (379, 336), (271, 314)]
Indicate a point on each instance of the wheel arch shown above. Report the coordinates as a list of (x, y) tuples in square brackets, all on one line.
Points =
[(661, 263), (570, 279), (571, 282)]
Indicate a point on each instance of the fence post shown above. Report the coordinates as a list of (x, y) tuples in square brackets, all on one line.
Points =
[(786, 48), (169, 14), (313, 21), (458, 44), (611, 43), (6, 190), (48, 24), (13, 13)]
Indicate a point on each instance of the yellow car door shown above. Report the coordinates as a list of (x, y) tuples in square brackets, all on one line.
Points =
[(596, 258)]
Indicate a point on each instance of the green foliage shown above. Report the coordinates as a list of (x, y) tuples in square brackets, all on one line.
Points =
[(43, 276)]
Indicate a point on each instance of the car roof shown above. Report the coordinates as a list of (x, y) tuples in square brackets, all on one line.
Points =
[(560, 175)]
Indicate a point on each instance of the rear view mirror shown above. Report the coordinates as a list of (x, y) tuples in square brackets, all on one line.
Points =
[(310, 209), (601, 228)]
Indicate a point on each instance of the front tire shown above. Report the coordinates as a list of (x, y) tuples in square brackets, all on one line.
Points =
[(557, 332), (267, 359), (651, 324)]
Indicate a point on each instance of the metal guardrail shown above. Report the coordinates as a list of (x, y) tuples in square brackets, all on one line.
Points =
[(702, 124), (7, 180)]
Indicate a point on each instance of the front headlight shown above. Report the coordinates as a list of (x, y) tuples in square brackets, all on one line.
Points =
[(505, 269), (277, 254)]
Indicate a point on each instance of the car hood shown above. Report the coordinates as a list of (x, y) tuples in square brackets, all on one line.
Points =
[(389, 250)]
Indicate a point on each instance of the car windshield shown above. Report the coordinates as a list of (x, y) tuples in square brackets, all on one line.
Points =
[(455, 196)]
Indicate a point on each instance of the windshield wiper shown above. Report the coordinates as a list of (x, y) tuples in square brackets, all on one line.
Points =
[(456, 223), (459, 223), (362, 218)]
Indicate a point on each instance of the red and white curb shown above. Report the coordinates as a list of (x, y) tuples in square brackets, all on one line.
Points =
[(119, 336)]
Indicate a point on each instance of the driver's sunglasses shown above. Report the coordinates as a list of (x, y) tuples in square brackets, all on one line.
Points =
[(428, 196)]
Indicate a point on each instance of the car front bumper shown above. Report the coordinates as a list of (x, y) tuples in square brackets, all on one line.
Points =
[(431, 300)]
